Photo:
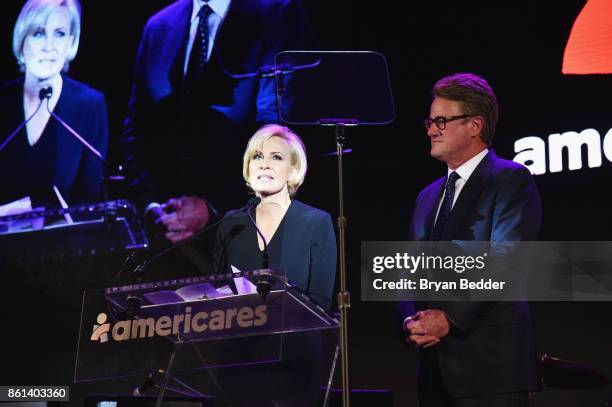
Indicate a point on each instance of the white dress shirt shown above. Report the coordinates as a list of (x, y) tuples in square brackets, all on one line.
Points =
[(219, 8), (464, 171)]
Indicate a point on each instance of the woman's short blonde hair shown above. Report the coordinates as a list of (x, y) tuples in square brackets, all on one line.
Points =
[(298, 153), (34, 14)]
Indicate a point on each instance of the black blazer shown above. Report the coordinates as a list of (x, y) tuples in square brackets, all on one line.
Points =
[(490, 348), (304, 244), (181, 138), (65, 162)]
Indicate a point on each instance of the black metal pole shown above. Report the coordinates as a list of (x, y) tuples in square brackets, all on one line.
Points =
[(344, 299)]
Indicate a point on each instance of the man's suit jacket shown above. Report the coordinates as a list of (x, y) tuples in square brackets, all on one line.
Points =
[(490, 348), (182, 138), (65, 162)]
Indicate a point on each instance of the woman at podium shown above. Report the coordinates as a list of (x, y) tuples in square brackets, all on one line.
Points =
[(299, 238), (40, 157)]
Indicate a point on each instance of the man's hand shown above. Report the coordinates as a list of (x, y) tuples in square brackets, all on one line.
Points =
[(183, 217), (427, 327)]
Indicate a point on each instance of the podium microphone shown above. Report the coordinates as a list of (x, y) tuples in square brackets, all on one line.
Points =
[(264, 283), (253, 202), (142, 266)]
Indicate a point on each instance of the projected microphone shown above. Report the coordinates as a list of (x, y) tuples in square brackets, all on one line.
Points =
[(44, 93)]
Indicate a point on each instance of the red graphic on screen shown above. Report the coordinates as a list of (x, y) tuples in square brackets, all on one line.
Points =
[(589, 48)]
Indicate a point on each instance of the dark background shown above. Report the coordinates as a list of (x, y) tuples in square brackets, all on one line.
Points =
[(517, 46)]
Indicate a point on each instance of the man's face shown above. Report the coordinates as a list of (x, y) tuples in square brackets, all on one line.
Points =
[(460, 139)]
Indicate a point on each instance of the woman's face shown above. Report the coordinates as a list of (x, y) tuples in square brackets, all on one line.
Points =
[(44, 50), (270, 167)]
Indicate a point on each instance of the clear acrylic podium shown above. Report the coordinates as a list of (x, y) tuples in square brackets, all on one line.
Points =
[(247, 338)]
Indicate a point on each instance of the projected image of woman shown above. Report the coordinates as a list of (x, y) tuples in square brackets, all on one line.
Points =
[(42, 154)]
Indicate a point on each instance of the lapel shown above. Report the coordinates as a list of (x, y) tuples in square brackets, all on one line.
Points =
[(287, 224), (237, 39), (68, 151), (180, 35), (467, 200), (222, 38), (433, 200)]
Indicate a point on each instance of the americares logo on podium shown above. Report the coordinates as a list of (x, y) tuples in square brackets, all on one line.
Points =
[(179, 324)]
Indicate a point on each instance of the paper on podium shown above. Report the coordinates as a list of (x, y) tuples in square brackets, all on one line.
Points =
[(243, 285), (19, 207), (188, 293), (201, 291), (16, 207)]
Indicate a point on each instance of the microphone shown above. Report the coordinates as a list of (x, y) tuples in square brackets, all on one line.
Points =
[(264, 283), (250, 204), (264, 257), (45, 93), (132, 306), (253, 202), (147, 384)]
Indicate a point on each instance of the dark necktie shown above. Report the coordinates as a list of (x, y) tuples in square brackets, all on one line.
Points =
[(199, 51), (447, 205)]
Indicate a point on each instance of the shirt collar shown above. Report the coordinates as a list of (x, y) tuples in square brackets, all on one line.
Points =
[(219, 7), (466, 169)]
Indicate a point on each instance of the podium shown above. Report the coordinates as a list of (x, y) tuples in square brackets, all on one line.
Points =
[(247, 338), (40, 236)]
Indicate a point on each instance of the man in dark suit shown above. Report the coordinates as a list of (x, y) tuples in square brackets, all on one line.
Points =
[(472, 353), (194, 103)]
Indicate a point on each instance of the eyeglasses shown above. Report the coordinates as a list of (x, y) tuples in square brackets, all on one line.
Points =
[(441, 121)]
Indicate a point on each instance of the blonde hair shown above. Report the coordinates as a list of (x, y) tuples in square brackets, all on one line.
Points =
[(34, 14), (296, 146)]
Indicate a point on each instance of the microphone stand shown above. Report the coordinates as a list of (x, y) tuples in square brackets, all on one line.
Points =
[(265, 260), (72, 131), (46, 93), (264, 283), (23, 123), (344, 296), (139, 270)]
